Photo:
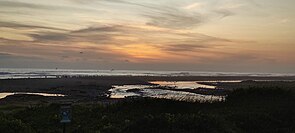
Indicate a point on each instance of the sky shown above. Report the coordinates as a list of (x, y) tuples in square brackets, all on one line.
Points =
[(196, 35)]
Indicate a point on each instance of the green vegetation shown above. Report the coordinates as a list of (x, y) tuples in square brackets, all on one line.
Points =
[(256, 110), (11, 125)]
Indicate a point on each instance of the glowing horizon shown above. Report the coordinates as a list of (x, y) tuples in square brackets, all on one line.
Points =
[(202, 35)]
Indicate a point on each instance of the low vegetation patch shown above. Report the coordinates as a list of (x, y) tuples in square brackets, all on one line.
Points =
[(255, 110)]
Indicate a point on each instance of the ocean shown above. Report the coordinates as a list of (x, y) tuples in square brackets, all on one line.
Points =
[(8, 73)]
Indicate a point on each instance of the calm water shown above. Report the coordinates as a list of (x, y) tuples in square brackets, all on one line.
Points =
[(121, 91), (152, 91), (52, 73), (183, 85), (3, 95)]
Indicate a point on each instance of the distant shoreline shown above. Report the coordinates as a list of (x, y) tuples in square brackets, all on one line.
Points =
[(6, 73), (127, 78)]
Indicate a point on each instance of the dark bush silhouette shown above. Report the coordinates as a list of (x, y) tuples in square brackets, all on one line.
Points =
[(255, 110)]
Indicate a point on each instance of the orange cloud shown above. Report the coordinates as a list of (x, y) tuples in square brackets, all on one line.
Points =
[(142, 52)]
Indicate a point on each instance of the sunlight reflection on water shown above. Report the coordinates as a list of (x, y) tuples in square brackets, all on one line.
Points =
[(183, 84), (153, 91), (3, 95)]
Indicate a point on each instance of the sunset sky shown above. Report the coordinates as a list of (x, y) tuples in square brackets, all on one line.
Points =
[(199, 35)]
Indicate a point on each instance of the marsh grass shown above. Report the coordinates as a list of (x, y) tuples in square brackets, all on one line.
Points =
[(255, 110)]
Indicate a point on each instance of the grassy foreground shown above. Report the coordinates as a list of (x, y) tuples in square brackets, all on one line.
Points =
[(256, 110)]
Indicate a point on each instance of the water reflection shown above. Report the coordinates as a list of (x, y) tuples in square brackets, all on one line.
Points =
[(180, 96), (3, 95), (155, 91), (183, 85), (220, 81), (122, 91)]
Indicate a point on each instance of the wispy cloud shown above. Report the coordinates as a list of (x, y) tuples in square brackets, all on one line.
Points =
[(18, 26), (122, 32), (37, 6), (193, 5), (175, 20), (224, 13)]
